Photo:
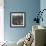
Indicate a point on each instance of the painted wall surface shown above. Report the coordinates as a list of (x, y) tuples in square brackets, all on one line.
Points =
[(28, 6), (43, 6)]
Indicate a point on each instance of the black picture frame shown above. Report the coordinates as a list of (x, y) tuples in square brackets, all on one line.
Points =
[(17, 19)]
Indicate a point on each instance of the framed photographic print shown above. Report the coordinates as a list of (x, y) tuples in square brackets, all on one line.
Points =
[(17, 19)]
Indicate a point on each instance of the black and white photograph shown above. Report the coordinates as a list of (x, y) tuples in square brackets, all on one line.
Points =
[(17, 19)]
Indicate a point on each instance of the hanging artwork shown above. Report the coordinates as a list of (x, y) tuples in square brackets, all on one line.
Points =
[(17, 19)]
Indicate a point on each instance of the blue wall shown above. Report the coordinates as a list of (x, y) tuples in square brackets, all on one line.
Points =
[(28, 6), (43, 6)]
